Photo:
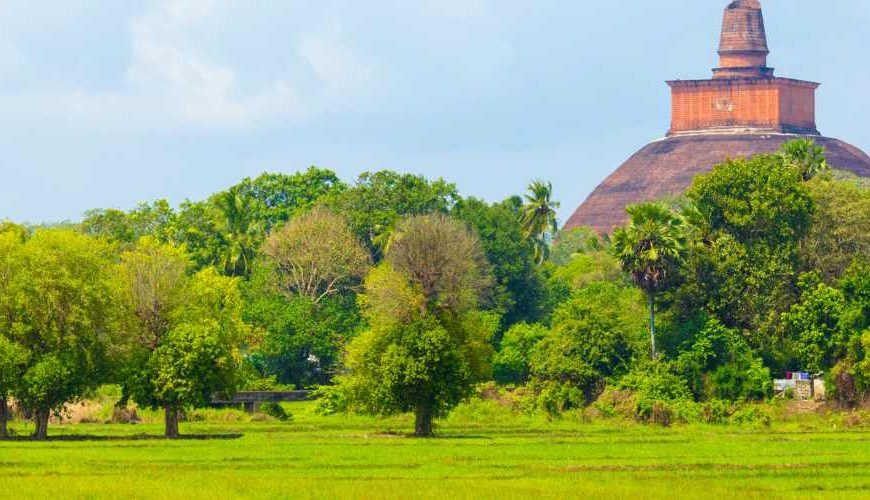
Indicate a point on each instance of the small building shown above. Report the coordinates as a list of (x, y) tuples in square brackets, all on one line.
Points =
[(804, 386)]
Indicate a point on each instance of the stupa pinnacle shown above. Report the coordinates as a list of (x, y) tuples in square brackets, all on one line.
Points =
[(743, 46), (743, 110)]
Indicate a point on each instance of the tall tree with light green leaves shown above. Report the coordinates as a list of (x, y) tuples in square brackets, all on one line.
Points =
[(539, 217), (184, 331), (13, 357), (650, 250), (64, 313), (427, 344)]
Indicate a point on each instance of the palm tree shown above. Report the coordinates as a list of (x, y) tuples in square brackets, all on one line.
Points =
[(539, 217), (242, 233), (806, 156), (650, 248)]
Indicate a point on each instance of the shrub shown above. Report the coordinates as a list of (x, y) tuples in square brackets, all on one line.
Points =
[(753, 415), (276, 411), (511, 364), (658, 392), (718, 364), (746, 379), (594, 337), (329, 400), (715, 412)]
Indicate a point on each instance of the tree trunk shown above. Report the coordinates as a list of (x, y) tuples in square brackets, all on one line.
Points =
[(171, 419), (4, 418), (40, 417), (423, 424), (652, 323)]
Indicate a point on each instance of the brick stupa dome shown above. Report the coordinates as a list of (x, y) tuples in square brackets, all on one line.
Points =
[(742, 111)]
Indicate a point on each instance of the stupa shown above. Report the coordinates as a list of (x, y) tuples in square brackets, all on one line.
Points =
[(742, 111)]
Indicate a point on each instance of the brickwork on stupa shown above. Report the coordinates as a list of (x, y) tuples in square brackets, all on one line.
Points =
[(743, 110)]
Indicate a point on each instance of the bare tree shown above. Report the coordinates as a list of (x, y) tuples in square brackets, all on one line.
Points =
[(444, 259), (317, 255)]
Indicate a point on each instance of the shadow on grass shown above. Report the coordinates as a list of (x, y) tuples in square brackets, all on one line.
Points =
[(135, 437)]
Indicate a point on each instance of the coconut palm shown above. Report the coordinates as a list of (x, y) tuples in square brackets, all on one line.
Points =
[(650, 248), (538, 217), (242, 233)]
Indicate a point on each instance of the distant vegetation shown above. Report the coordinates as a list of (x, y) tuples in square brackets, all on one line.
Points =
[(395, 294)]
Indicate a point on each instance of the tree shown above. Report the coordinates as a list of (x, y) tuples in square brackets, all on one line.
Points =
[(814, 326), (806, 156), (13, 357), (539, 217), (148, 219), (427, 343), (155, 284), (579, 240), (197, 354), (64, 314), (302, 295), (278, 198), (750, 217), (13, 362), (377, 202), (650, 249), (316, 256), (519, 290), (840, 230), (512, 363), (240, 231), (595, 335)]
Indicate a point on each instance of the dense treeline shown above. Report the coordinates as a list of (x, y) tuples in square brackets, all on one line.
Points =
[(396, 294)]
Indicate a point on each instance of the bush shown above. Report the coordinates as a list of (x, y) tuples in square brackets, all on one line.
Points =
[(753, 415), (746, 379), (555, 398), (660, 394), (718, 364), (276, 411), (510, 365), (716, 412), (594, 338), (329, 400)]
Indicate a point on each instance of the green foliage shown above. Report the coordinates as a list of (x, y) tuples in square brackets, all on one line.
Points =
[(814, 327), (63, 311), (427, 345), (539, 218), (595, 335), (277, 198), (198, 356), (568, 244), (719, 364), (840, 228), (749, 217), (276, 411), (519, 290), (378, 201), (805, 156), (760, 200), (512, 363), (148, 219), (13, 362), (301, 341), (650, 249)]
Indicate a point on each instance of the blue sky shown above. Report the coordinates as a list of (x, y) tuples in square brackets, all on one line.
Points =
[(109, 103)]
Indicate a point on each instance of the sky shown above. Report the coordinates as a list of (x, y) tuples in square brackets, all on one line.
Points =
[(111, 103)]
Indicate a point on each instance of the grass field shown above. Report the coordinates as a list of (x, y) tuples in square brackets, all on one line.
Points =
[(475, 456)]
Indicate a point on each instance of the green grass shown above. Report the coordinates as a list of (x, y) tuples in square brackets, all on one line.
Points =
[(478, 454)]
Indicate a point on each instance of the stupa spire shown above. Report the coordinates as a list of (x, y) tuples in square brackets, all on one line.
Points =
[(743, 47)]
